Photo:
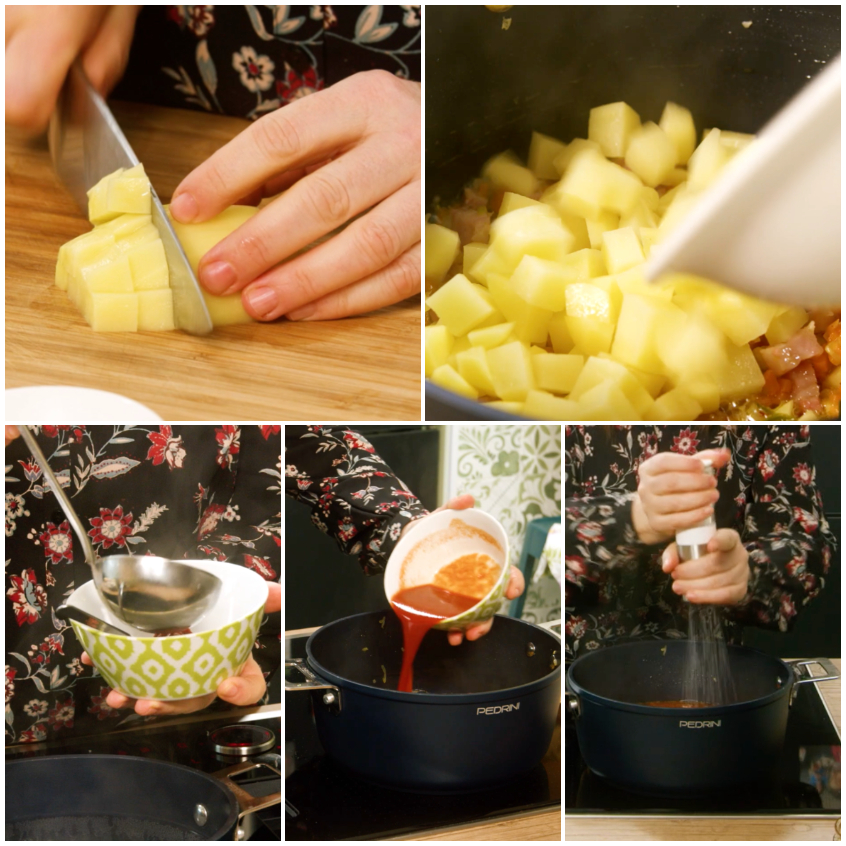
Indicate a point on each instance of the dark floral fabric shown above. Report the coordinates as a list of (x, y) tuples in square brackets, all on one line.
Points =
[(209, 492), (250, 60), (352, 493), (615, 587)]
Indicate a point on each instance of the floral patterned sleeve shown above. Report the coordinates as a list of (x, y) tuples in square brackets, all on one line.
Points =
[(599, 534), (784, 528), (353, 494)]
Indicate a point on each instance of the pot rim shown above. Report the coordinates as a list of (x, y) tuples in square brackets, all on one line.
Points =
[(432, 698), (581, 693)]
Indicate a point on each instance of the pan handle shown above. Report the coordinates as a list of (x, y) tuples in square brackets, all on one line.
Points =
[(332, 697), (803, 675), (247, 804)]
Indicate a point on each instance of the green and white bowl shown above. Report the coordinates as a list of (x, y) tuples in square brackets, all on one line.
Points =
[(435, 541), (178, 666)]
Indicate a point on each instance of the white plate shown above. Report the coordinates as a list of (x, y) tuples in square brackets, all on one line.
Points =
[(65, 404)]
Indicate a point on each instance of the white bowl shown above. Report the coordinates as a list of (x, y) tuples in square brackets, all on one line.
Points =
[(178, 666), (66, 404), (437, 540)]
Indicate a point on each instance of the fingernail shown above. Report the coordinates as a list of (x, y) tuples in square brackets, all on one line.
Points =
[(301, 313), (262, 301), (184, 208), (218, 277), (155, 708), (228, 688)]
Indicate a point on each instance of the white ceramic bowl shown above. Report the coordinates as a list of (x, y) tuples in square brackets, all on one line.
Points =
[(67, 404), (178, 666), (435, 541)]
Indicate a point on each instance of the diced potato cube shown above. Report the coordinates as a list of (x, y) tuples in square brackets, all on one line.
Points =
[(447, 377), (541, 283), (631, 281), (155, 310), (109, 274), (677, 123), (511, 371), (148, 265), (472, 253), (442, 247), (530, 322), (641, 217), (653, 382), (675, 405), (734, 140), (559, 334), (592, 185), (648, 239), (599, 371), (491, 336), (578, 227), (473, 366), (742, 376), (563, 159), (678, 209), (591, 335), (708, 159), (511, 202), (542, 152), (611, 126), (650, 198), (833, 379), (125, 225), (621, 249), (640, 322), (459, 304), (785, 324), (541, 405), (587, 299), (439, 344), (530, 231), (607, 222), (121, 192), (505, 171), (557, 373), (106, 312), (704, 390), (606, 401), (742, 318), (490, 262), (693, 345), (676, 176), (651, 154)]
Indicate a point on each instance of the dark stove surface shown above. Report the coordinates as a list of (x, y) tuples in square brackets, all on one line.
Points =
[(187, 744), (808, 781), (325, 802)]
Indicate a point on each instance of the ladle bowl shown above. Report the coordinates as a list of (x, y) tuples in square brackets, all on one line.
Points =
[(150, 593)]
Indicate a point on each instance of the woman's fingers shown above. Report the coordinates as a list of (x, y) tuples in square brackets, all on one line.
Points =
[(365, 247), (471, 633), (309, 128), (311, 208), (246, 688), (106, 56), (12, 432), (675, 503), (516, 584), (394, 283), (274, 598)]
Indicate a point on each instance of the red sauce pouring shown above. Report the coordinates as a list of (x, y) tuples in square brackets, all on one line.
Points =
[(419, 608)]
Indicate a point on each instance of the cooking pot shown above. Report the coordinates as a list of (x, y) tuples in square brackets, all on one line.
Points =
[(488, 87), (486, 712), (674, 751), (122, 797)]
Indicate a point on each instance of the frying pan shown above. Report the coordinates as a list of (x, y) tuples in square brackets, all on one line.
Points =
[(117, 797)]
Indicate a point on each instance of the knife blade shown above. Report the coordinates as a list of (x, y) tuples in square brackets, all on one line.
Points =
[(86, 144)]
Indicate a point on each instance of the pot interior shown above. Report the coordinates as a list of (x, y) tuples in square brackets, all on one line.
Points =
[(367, 648), (652, 670)]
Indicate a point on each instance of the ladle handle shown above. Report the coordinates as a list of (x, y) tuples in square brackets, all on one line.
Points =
[(64, 501)]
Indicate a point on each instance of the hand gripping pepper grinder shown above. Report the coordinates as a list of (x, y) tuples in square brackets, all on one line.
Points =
[(693, 542)]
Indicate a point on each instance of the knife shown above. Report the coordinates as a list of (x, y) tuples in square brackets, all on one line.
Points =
[(87, 144)]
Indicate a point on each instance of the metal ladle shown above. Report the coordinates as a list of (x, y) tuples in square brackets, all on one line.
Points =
[(149, 593)]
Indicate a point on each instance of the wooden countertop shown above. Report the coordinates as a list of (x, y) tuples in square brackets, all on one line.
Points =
[(619, 827), (537, 825), (364, 368)]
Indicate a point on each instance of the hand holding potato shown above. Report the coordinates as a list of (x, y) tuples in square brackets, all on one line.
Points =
[(353, 149), (674, 493)]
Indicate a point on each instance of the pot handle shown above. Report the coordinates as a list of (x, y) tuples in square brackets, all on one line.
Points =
[(332, 697), (803, 676), (247, 804)]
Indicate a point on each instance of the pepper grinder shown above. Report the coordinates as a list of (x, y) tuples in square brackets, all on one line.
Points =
[(693, 542)]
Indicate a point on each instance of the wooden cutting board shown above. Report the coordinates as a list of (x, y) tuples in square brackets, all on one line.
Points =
[(363, 368)]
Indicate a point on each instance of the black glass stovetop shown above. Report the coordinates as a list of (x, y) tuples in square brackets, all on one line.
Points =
[(326, 802), (185, 742), (808, 780)]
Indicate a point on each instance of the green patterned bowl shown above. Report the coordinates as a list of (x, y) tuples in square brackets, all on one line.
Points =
[(441, 538), (178, 666)]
